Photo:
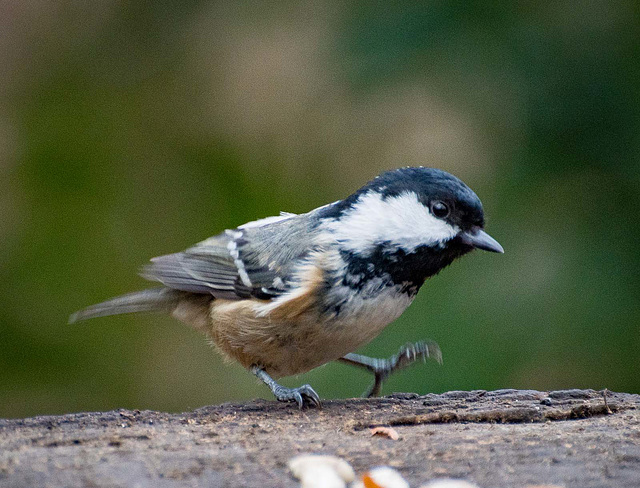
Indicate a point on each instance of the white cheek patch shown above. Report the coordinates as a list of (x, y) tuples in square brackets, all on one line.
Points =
[(401, 220)]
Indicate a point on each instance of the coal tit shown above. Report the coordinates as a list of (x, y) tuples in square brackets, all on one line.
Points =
[(286, 294)]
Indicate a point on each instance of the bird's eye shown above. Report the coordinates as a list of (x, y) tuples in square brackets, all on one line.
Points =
[(440, 209)]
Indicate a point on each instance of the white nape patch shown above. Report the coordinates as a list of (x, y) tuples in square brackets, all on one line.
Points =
[(267, 220), (232, 246), (402, 221)]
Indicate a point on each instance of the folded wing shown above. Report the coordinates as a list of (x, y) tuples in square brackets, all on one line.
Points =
[(252, 261)]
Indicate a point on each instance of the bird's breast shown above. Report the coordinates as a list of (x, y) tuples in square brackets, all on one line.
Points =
[(374, 304)]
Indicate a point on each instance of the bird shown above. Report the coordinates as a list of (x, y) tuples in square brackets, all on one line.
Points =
[(285, 294)]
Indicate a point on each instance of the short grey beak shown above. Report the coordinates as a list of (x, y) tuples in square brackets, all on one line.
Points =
[(479, 239)]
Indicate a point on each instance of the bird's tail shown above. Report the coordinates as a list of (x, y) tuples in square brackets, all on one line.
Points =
[(150, 300)]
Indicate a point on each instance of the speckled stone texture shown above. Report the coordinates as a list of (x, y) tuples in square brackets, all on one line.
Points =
[(506, 438)]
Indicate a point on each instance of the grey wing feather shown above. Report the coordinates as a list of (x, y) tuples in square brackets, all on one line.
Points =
[(188, 273), (252, 261)]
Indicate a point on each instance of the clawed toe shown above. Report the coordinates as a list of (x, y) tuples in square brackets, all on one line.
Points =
[(303, 395), (382, 368), (310, 395), (410, 353)]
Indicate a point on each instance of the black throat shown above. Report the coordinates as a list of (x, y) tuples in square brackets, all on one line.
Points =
[(407, 269)]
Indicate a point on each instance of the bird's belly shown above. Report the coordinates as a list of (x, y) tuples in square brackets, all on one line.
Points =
[(291, 345), (363, 317)]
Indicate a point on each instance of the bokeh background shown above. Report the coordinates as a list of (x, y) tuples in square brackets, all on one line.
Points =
[(134, 129)]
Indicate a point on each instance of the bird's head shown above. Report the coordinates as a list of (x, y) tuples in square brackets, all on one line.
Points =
[(422, 218)]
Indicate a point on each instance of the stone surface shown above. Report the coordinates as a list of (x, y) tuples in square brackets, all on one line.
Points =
[(506, 438)]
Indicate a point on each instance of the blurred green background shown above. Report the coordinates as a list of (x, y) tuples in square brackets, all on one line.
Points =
[(135, 129)]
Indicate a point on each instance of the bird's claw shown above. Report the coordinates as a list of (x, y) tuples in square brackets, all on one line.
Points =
[(303, 395), (408, 354)]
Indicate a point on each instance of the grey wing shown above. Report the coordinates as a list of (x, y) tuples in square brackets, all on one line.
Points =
[(251, 261)]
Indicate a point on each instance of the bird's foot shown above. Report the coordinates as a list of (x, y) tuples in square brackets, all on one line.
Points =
[(407, 355), (383, 368), (303, 395), (410, 353)]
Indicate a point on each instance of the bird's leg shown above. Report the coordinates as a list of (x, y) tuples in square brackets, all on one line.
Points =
[(382, 368), (302, 395)]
